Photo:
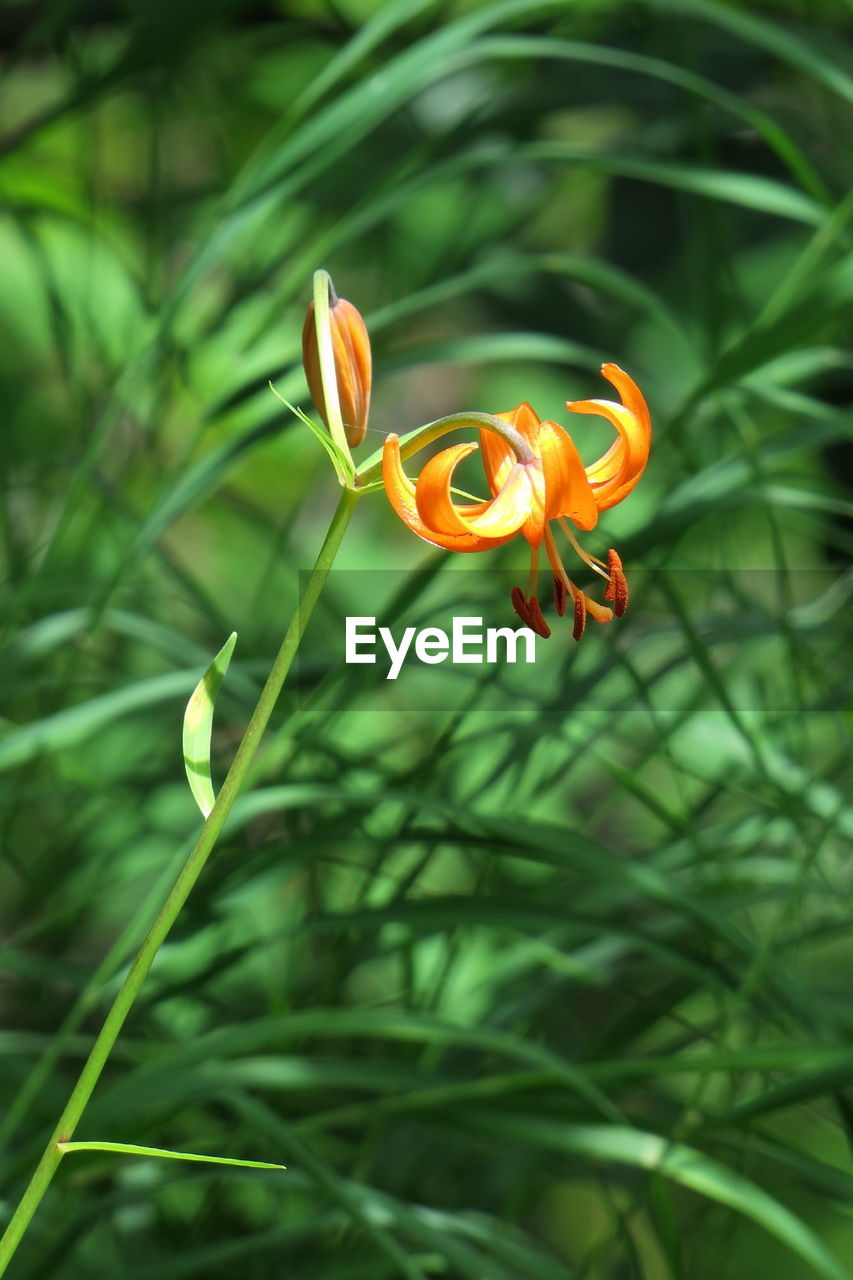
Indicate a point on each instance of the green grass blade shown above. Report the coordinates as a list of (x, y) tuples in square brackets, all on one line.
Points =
[(74, 725), (684, 1165), (789, 46)]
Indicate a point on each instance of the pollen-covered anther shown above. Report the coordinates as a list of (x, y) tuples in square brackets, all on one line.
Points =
[(580, 615), (520, 605), (537, 623), (529, 612), (559, 594), (617, 585)]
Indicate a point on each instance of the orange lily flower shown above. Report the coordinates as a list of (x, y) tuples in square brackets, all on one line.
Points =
[(538, 480)]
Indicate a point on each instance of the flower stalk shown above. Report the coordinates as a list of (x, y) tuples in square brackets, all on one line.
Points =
[(370, 472), (180, 890), (535, 477)]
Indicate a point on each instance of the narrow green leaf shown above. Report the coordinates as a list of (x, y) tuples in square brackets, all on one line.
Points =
[(787, 45), (518, 46), (497, 348), (198, 723), (749, 190), (131, 1149), (342, 464), (684, 1165), (379, 26), (19, 744)]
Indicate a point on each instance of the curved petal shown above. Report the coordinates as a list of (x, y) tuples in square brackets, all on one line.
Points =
[(630, 395), (567, 488), (625, 453), (616, 472), (534, 526), (525, 420), (352, 360), (353, 366), (498, 458), (401, 495), (519, 501), (432, 492)]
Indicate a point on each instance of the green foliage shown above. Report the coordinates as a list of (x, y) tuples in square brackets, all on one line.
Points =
[(157, 1153), (198, 727), (535, 974)]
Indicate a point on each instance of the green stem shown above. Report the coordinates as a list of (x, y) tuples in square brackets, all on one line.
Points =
[(181, 889), (371, 469)]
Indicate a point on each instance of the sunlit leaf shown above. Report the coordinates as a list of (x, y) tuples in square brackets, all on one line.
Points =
[(198, 727), (131, 1149)]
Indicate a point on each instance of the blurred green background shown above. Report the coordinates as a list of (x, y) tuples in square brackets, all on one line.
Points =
[(542, 974)]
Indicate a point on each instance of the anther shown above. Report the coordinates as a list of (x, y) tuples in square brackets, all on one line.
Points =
[(529, 612), (559, 594), (520, 605), (537, 623), (580, 615), (617, 585)]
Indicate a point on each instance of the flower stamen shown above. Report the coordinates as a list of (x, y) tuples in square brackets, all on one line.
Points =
[(560, 593), (520, 605), (590, 560), (580, 616), (537, 622), (530, 612), (533, 576), (617, 585)]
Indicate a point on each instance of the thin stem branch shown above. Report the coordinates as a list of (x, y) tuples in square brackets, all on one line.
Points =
[(371, 469), (181, 889)]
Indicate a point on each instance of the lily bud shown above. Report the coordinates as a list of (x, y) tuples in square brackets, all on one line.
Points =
[(353, 365)]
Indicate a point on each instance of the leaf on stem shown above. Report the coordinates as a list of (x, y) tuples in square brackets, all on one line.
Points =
[(342, 464), (131, 1149), (198, 724)]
